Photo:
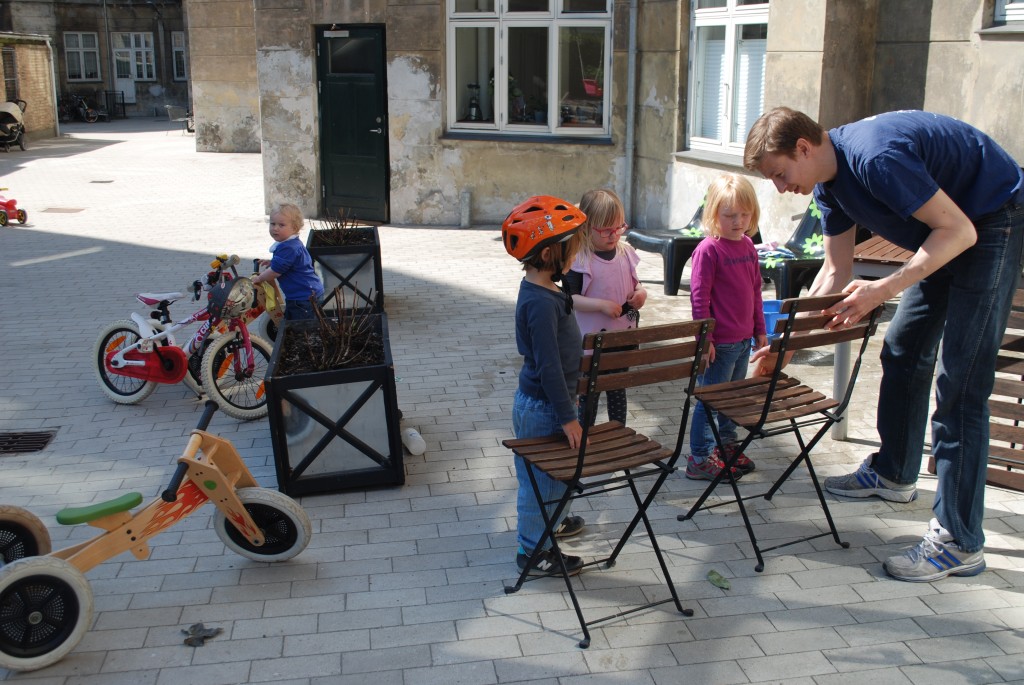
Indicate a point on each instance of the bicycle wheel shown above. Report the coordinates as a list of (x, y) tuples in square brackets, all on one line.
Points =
[(91, 116), (285, 526), (22, 535), (45, 609), (121, 389), (240, 396)]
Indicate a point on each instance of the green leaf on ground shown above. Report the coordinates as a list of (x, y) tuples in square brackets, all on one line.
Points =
[(718, 580)]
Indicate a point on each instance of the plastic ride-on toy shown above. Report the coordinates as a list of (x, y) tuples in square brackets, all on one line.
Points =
[(9, 211), (46, 603)]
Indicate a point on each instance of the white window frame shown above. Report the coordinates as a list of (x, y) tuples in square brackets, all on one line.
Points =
[(141, 51), (178, 48), (500, 20), (1009, 10), (78, 55), (731, 18)]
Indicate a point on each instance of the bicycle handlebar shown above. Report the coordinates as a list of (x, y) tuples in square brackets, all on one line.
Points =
[(171, 493)]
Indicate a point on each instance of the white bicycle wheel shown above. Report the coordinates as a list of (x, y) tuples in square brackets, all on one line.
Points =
[(284, 524), (240, 396), (22, 535), (45, 609), (121, 389)]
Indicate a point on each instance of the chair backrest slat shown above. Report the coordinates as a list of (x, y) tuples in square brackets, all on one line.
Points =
[(822, 337)]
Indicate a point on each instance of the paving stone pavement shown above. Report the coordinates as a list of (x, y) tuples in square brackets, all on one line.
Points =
[(405, 585)]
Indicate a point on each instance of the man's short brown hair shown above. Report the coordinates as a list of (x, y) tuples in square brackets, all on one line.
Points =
[(776, 132)]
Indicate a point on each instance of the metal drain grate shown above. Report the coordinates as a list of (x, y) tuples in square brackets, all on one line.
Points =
[(23, 443)]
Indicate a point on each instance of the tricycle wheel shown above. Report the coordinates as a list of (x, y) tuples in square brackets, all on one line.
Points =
[(3, 217), (45, 609), (22, 216), (285, 526), (22, 535)]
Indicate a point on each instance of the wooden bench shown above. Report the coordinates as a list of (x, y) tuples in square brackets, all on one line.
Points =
[(876, 257)]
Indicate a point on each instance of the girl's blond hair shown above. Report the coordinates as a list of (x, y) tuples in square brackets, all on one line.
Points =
[(729, 190), (290, 213), (604, 210)]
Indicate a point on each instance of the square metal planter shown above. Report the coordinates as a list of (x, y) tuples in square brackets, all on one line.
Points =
[(355, 268), (334, 430)]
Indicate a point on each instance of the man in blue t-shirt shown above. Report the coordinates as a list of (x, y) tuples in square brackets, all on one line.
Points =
[(944, 189)]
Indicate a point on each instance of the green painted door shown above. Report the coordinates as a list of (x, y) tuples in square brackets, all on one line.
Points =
[(353, 121)]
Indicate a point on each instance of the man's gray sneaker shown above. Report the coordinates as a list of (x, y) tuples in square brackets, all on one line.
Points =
[(864, 482), (934, 558)]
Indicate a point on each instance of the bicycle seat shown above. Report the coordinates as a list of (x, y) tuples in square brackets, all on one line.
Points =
[(153, 299), (74, 515)]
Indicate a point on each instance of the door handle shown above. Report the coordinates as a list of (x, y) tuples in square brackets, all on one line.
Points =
[(376, 130)]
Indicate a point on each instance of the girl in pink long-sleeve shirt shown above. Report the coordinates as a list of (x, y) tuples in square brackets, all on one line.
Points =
[(725, 284)]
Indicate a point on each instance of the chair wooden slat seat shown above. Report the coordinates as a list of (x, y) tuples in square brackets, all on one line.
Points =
[(612, 456), (774, 405)]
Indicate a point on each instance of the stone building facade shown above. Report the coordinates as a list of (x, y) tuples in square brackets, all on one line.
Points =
[(27, 63), (258, 85), (129, 57)]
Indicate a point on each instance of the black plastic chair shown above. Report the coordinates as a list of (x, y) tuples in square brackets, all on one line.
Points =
[(675, 245), (791, 275)]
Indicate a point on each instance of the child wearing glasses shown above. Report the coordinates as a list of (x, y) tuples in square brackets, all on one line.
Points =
[(606, 292), (725, 284)]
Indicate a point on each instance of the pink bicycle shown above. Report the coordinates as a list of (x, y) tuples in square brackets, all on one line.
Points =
[(133, 356)]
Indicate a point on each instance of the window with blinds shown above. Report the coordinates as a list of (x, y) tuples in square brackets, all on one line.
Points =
[(728, 72)]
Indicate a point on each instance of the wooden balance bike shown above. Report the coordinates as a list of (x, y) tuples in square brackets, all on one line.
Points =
[(46, 603)]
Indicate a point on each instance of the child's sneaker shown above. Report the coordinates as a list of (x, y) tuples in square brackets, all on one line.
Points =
[(708, 469), (546, 564), (570, 525), (934, 558), (864, 482), (743, 464)]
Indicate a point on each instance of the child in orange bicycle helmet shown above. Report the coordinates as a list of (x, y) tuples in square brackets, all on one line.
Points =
[(543, 234)]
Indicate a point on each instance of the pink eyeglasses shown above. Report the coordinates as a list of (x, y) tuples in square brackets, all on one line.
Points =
[(609, 232)]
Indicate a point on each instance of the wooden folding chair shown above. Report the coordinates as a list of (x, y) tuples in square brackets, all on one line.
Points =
[(778, 404), (612, 456)]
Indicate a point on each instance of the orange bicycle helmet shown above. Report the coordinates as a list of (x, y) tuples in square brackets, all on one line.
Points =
[(538, 222)]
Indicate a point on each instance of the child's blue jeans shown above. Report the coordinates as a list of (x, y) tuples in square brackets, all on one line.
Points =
[(532, 419), (730, 365)]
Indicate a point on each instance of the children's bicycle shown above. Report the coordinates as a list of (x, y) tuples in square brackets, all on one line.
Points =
[(46, 603), (132, 357)]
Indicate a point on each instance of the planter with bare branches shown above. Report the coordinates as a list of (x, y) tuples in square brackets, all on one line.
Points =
[(346, 255), (334, 418)]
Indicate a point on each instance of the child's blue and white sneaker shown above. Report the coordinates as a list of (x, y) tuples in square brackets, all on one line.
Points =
[(934, 558)]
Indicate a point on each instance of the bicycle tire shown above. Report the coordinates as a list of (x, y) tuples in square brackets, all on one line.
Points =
[(240, 398), (285, 526), (120, 389), (46, 605), (22, 535), (91, 116)]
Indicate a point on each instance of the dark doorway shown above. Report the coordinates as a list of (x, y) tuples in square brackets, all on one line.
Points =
[(354, 121)]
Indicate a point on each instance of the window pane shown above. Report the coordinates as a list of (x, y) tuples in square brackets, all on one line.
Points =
[(352, 56), (92, 64), (748, 89), (585, 6), (178, 39), (752, 2), (122, 40), (527, 73), (89, 40), (474, 71), (123, 64), (710, 4), (474, 5), (581, 76), (527, 5), (179, 64), (74, 66), (710, 90), (71, 40)]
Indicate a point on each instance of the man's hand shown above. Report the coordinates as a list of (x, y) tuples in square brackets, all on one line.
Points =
[(862, 298)]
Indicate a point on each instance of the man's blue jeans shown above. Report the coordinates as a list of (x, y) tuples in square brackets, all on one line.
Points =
[(533, 418), (730, 364), (965, 304)]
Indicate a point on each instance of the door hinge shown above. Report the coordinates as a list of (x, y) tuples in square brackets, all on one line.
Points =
[(323, 192), (318, 87), (318, 49)]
